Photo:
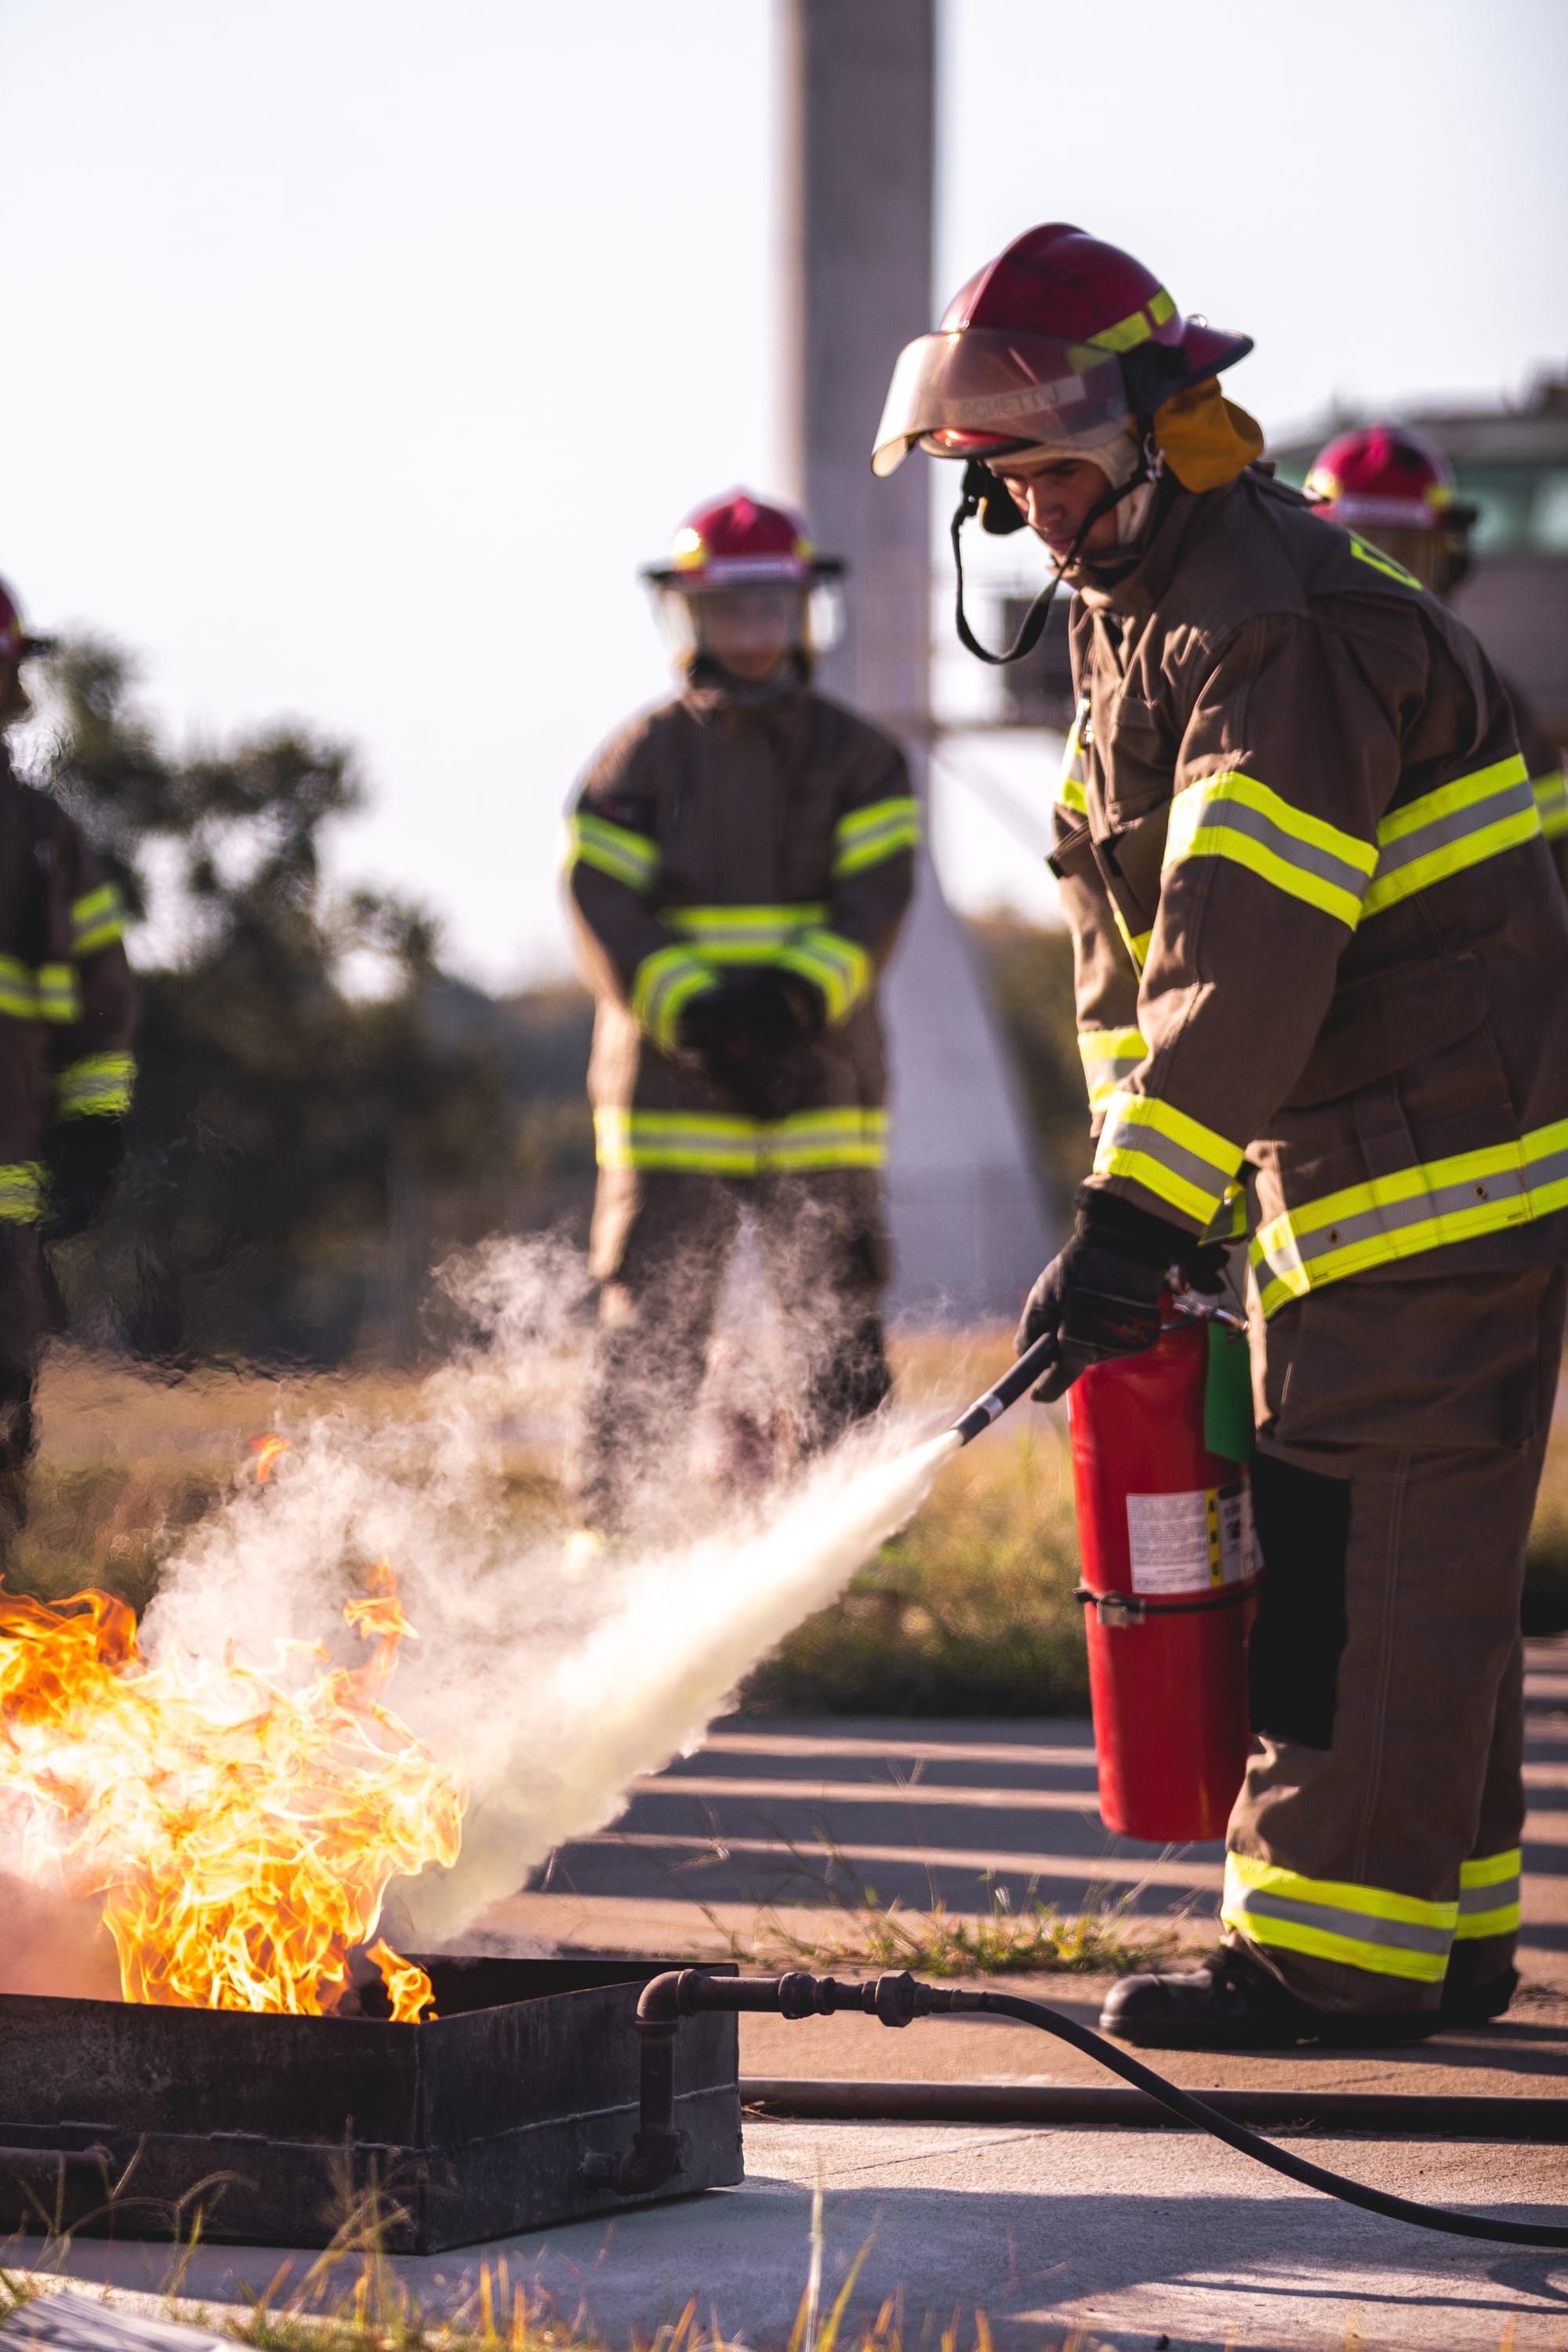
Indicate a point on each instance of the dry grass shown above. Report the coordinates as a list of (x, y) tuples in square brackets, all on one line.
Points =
[(1031, 1939), (969, 1612), (350, 2299)]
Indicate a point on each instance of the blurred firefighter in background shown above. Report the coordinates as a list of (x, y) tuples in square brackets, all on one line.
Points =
[(1321, 963), (1398, 492), (739, 860), (67, 1014)]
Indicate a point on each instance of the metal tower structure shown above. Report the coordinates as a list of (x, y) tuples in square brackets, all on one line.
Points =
[(858, 91)]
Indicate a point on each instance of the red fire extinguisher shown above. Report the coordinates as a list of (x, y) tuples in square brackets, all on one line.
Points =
[(1169, 1573)]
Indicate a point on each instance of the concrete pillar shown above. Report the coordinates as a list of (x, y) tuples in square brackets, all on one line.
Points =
[(858, 82)]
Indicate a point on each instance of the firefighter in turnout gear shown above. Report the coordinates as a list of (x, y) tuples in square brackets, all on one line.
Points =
[(739, 862), (1321, 963), (1398, 492), (67, 1013)]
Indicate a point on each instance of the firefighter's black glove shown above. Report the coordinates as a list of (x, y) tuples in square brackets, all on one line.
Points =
[(747, 1034), (782, 1010), (1101, 1295), (83, 1158), (1206, 1268)]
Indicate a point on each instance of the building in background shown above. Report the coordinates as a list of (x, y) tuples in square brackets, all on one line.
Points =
[(1513, 460), (858, 82)]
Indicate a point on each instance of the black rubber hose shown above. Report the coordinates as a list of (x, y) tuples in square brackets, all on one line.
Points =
[(1236, 2136)]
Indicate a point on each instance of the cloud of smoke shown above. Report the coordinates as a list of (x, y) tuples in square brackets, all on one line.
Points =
[(552, 1691)]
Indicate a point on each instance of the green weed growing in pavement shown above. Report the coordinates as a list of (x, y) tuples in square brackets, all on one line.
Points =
[(858, 1929)]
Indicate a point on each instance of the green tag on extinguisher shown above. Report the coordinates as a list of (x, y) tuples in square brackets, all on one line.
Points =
[(1227, 1395)]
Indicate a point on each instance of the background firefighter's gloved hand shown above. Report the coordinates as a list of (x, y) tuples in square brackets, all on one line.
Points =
[(1101, 1295), (82, 1157), (745, 1034)]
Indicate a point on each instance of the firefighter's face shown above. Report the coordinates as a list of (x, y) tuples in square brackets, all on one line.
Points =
[(749, 631), (1435, 558), (1055, 496)]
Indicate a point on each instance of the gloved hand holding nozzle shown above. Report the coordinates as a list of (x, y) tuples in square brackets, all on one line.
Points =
[(1100, 1296)]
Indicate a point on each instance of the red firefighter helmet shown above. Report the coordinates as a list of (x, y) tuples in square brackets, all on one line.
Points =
[(1384, 475), (16, 642), (739, 542), (1060, 339)]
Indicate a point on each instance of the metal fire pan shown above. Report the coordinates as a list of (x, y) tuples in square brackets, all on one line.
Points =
[(469, 2127)]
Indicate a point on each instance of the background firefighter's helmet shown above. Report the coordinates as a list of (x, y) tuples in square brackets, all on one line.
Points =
[(1060, 339), (739, 542), (16, 642), (1384, 475)]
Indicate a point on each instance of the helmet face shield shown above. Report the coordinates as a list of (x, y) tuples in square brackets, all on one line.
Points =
[(979, 389), (745, 629)]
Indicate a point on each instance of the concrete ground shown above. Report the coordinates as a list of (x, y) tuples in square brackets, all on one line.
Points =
[(1129, 2238)]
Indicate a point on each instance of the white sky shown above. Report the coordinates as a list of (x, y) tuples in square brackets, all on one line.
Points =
[(360, 349)]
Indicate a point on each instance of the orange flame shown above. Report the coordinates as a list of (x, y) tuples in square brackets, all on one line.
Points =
[(241, 1836), (267, 1450)]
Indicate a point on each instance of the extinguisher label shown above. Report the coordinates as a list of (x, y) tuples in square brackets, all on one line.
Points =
[(1191, 1543)]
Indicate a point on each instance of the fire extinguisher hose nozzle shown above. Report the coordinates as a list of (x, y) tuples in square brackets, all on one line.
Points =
[(1032, 1366)]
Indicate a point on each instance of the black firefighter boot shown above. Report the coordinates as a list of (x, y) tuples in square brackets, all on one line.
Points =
[(1479, 1986), (1229, 2003)]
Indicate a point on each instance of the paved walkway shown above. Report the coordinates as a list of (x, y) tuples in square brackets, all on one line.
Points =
[(793, 1816), (1086, 2238)]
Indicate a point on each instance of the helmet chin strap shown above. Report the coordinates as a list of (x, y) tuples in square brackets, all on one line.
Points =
[(1147, 469)]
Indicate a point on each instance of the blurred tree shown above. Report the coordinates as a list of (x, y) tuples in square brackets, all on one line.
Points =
[(277, 1110), (1029, 966)]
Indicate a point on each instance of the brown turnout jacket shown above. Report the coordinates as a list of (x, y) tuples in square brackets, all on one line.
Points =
[(68, 1004), (720, 832), (1320, 945), (1543, 759)]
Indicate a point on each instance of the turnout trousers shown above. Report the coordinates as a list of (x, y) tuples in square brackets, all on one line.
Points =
[(660, 1249), (1402, 1428)]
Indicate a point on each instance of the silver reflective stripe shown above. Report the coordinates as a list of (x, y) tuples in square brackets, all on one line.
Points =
[(1236, 816), (1423, 1207), (1516, 800), (1355, 1926), (1125, 1131), (1501, 1896), (1440, 1200)]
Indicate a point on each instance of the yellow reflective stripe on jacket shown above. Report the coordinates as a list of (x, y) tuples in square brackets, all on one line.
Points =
[(1552, 804), (702, 1143), (840, 967), (1108, 1056), (665, 985), (1235, 816), (1365, 552), (48, 993), (866, 836), (21, 1192), (613, 849), (1175, 1157), (742, 934), (1369, 1926), (1416, 1209), (1458, 825), (1071, 793), (1136, 944), (97, 920), (1489, 1896), (98, 1087)]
